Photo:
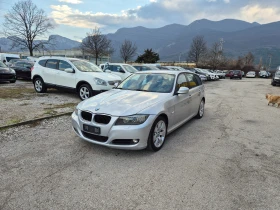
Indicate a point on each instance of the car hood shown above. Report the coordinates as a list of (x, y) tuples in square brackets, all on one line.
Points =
[(118, 102), (103, 76), (5, 70)]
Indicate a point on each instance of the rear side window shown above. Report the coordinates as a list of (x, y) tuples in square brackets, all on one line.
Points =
[(42, 63), (64, 65), (192, 81), (52, 64)]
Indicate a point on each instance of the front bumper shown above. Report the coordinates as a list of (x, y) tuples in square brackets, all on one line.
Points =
[(250, 76), (276, 81), (8, 77), (113, 132)]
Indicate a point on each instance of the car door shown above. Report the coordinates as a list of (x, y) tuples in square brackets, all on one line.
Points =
[(194, 84), (182, 101), (118, 70), (49, 71), (18, 68), (64, 79), (26, 71)]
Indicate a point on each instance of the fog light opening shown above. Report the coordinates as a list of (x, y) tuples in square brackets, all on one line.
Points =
[(135, 141)]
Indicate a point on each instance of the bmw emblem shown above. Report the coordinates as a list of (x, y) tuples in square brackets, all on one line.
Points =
[(96, 109)]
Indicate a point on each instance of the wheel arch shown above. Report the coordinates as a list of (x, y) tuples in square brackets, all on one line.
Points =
[(36, 76), (82, 83)]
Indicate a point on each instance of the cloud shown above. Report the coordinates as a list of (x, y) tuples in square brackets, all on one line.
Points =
[(71, 1), (158, 13)]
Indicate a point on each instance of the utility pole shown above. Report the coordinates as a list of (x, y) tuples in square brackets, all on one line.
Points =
[(221, 47), (180, 57), (270, 57)]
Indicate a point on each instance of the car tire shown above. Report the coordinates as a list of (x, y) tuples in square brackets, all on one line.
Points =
[(39, 85), (240, 78), (85, 92), (157, 134), (273, 84), (13, 81), (200, 111)]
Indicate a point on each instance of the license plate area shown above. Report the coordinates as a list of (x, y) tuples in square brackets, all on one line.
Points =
[(91, 129)]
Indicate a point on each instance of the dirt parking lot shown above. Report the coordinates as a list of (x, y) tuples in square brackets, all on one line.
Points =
[(227, 160), (20, 102)]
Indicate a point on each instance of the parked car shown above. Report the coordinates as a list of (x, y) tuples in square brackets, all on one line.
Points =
[(145, 67), (6, 58), (276, 78), (251, 74), (263, 74), (23, 69), (7, 74), (208, 74), (84, 77), (229, 73), (120, 69), (236, 74), (202, 76), (221, 74), (141, 111)]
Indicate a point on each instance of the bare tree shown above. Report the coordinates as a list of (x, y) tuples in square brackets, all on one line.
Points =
[(198, 49), (96, 44), (249, 59), (24, 23), (127, 50), (215, 56)]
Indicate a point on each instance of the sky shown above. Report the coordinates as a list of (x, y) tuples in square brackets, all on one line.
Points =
[(74, 18)]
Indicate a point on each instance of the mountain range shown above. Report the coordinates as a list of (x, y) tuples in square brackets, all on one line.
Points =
[(172, 42)]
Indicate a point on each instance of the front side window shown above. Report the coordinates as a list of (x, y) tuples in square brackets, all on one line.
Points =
[(42, 63), (52, 64), (85, 66), (160, 83), (62, 65)]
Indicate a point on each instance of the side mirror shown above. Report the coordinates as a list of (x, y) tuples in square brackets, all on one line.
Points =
[(183, 90), (122, 71), (69, 70), (108, 71)]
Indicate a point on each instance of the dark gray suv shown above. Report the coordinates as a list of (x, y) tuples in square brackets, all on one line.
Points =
[(276, 78)]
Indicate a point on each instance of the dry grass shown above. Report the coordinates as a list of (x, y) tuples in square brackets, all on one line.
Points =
[(12, 93)]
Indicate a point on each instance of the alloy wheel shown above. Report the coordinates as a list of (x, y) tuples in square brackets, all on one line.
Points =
[(84, 93), (201, 108), (159, 134), (38, 85)]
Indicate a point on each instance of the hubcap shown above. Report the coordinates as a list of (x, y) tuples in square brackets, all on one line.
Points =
[(201, 109), (159, 133), (84, 93), (38, 85)]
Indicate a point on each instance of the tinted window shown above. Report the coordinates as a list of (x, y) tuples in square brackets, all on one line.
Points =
[(138, 68), (115, 68), (43, 62), (52, 64), (198, 80), (192, 81), (28, 65), (63, 65)]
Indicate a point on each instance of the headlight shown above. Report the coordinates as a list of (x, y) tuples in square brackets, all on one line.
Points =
[(277, 77), (132, 120), (76, 111), (100, 82), (13, 71), (207, 75)]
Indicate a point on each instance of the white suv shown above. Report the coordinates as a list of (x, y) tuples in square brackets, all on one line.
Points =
[(120, 69), (84, 77)]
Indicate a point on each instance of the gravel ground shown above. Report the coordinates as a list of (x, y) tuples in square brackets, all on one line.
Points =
[(227, 160), (20, 102)]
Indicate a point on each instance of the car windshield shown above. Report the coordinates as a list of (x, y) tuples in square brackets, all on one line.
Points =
[(2, 65), (236, 72), (85, 66), (149, 82), (129, 68)]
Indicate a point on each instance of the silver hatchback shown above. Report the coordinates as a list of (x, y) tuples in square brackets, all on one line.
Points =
[(141, 111)]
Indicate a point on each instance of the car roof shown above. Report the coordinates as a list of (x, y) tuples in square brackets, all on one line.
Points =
[(162, 72)]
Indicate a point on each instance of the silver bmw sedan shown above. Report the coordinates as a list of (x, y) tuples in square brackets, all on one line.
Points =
[(141, 111)]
